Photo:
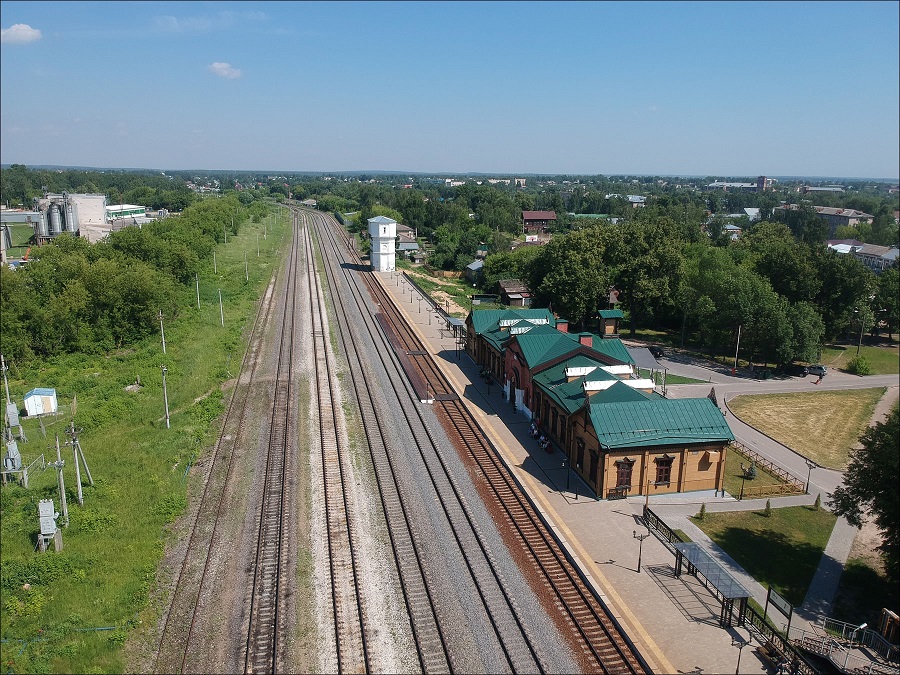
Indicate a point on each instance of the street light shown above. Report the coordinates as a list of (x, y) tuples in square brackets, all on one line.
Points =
[(743, 480), (811, 466), (740, 645), (640, 538)]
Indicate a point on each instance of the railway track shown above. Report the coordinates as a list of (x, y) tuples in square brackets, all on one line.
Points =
[(517, 649), (174, 654), (265, 640), (348, 615), (597, 637)]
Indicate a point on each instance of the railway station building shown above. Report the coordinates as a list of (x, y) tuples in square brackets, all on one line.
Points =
[(585, 395)]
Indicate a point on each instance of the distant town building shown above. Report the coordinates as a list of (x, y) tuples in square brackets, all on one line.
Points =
[(537, 222), (762, 184), (514, 293), (834, 216)]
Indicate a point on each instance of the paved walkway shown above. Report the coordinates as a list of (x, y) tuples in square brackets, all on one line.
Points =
[(674, 622)]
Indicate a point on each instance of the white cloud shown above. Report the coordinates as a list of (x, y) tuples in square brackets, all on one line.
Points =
[(206, 23), (19, 34), (225, 70)]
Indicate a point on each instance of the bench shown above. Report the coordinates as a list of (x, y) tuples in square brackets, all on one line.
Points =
[(770, 655)]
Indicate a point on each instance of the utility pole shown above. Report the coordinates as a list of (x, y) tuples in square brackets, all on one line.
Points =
[(59, 464), (165, 395), (162, 331), (197, 280), (215, 267), (221, 310), (246, 269)]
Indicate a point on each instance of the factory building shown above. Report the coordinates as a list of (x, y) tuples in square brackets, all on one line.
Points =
[(68, 212)]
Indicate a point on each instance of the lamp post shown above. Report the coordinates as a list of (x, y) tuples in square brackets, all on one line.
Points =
[(740, 645), (811, 466), (743, 480), (862, 325), (850, 646), (165, 394), (640, 538)]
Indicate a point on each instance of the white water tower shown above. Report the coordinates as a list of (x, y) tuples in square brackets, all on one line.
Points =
[(383, 233)]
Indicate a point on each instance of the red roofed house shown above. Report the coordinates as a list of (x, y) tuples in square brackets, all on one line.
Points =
[(537, 222)]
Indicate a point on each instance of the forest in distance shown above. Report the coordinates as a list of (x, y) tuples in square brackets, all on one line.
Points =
[(673, 262)]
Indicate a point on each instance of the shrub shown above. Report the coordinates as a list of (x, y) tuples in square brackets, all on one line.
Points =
[(859, 365), (702, 513), (768, 511), (818, 504)]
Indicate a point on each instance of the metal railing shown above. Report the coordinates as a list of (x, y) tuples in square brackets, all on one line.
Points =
[(793, 485)]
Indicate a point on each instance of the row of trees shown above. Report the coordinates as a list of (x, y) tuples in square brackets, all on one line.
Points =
[(787, 297), (20, 186), (75, 296)]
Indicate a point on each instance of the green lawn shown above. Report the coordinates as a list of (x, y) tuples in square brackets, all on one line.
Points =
[(733, 473), (885, 359), (782, 550), (53, 604), (821, 425)]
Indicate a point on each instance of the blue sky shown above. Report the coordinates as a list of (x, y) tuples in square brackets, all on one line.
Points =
[(707, 88)]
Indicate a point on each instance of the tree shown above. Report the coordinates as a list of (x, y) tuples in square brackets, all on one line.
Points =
[(571, 274), (887, 300), (870, 484)]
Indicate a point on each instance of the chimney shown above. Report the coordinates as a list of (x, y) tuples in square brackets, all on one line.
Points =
[(586, 339), (562, 325)]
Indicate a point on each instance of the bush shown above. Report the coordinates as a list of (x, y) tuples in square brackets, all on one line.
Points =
[(859, 365), (768, 512), (702, 514)]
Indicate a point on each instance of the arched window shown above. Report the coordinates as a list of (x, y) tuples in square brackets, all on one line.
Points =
[(664, 469), (623, 472)]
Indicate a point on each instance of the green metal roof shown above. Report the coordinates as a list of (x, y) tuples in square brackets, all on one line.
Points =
[(488, 319), (570, 395), (611, 314), (658, 422), (538, 348), (621, 393), (612, 347), (497, 336)]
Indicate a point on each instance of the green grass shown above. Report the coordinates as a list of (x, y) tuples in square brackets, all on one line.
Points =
[(885, 360), (863, 592), (107, 570), (733, 473), (822, 425), (782, 551)]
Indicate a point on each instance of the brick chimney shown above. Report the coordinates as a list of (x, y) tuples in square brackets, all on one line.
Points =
[(586, 339), (562, 325)]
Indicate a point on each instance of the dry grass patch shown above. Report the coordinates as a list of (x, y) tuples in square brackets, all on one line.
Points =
[(823, 426)]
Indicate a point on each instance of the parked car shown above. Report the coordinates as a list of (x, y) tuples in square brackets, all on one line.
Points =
[(797, 370), (818, 369), (657, 352)]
